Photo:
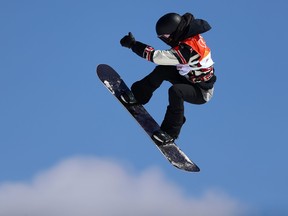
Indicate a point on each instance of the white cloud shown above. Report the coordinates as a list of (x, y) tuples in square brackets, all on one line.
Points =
[(99, 187)]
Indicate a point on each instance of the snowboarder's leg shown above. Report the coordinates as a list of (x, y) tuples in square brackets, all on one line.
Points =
[(143, 89), (174, 117)]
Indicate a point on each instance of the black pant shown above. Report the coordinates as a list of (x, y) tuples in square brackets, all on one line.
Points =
[(180, 91)]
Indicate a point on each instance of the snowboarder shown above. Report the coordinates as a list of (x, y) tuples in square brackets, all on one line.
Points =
[(187, 65)]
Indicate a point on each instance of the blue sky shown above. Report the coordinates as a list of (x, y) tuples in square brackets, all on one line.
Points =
[(68, 146)]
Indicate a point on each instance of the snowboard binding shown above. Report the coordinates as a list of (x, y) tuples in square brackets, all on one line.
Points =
[(162, 138), (128, 98)]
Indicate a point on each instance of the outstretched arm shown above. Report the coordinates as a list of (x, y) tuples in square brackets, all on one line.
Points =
[(160, 57)]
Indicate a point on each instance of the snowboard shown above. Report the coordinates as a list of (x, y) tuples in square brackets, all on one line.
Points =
[(115, 84)]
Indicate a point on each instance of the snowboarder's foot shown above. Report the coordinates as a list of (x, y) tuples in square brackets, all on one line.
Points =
[(128, 98), (162, 138)]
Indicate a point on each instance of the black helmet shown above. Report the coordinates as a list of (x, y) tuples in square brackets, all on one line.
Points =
[(167, 24)]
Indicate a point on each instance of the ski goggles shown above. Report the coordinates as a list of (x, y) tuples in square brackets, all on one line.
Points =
[(165, 37)]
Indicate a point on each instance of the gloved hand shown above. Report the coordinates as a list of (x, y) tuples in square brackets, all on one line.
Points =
[(128, 40)]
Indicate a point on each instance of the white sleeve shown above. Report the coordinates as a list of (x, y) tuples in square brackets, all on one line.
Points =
[(164, 57)]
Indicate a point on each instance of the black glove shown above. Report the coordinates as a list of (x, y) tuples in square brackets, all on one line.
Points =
[(128, 41)]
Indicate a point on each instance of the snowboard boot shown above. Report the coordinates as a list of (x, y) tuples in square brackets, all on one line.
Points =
[(162, 138), (128, 98)]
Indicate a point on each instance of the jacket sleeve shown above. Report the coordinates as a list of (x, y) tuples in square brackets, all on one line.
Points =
[(162, 57)]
